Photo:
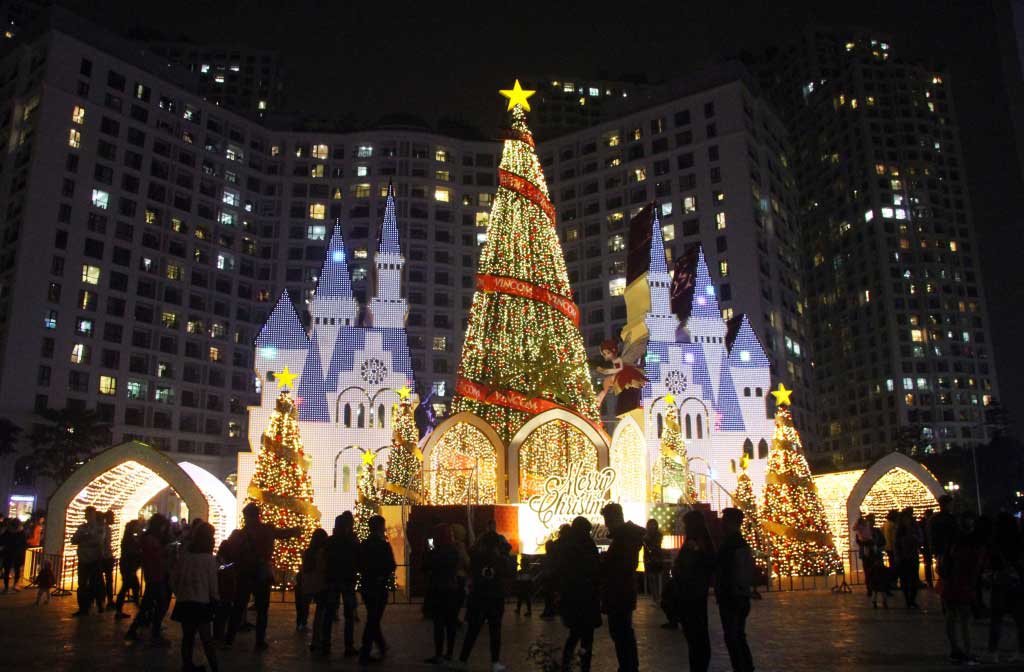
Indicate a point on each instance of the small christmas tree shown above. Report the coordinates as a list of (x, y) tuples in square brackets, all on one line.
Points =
[(747, 503), (402, 474), (672, 477), (793, 518), (368, 502), (281, 485)]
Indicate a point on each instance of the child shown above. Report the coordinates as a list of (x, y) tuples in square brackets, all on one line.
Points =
[(44, 582), (525, 584)]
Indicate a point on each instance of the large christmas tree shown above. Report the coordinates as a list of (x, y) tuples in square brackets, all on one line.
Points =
[(405, 461), (523, 351), (368, 499), (673, 482), (282, 486), (793, 518)]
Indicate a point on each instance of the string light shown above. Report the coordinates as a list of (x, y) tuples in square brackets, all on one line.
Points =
[(549, 451), (627, 457), (746, 501), (368, 503), (463, 464), (673, 482), (282, 485), (793, 518), (402, 475)]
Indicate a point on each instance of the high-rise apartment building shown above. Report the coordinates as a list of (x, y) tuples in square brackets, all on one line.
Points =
[(237, 77), (895, 306), (565, 104), (713, 158)]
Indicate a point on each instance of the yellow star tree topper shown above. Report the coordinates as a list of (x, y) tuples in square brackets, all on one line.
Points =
[(404, 392), (517, 95), (782, 396), (286, 378)]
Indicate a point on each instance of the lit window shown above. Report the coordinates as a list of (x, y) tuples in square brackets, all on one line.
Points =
[(484, 200), (442, 175), (616, 286), (727, 314), (231, 197), (690, 204), (80, 353), (481, 238), (362, 171), (666, 209), (150, 217), (234, 153), (441, 155), (262, 105), (169, 319), (50, 321), (360, 253), (869, 215), (90, 274), (572, 233), (225, 262), (74, 138), (215, 355), (483, 218), (594, 92), (100, 199), (136, 389), (616, 243), (87, 300), (613, 140), (316, 232), (78, 114), (317, 170), (173, 272), (568, 87), (317, 210), (723, 268), (84, 326), (438, 388), (440, 343), (668, 232), (361, 190), (163, 395), (227, 218), (364, 151), (441, 194), (719, 220), (108, 385), (639, 174), (319, 151)]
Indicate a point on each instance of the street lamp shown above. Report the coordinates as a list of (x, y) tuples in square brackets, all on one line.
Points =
[(952, 488)]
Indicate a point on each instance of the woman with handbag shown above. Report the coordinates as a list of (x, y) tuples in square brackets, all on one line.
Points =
[(195, 584)]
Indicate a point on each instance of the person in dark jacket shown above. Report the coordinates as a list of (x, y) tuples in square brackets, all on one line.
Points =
[(1006, 565), (578, 575), (549, 565), (376, 566), (342, 568), (156, 567), (943, 530), (313, 579), (734, 583), (692, 573), (442, 600), (906, 554), (618, 583), (14, 543), (128, 566), (490, 567)]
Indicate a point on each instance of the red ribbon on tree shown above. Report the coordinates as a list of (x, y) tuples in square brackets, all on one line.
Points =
[(528, 290), (528, 190), (512, 399)]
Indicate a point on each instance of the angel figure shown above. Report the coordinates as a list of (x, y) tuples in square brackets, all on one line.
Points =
[(620, 376)]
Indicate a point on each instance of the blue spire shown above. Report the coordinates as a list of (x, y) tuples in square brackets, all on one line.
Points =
[(311, 387), (728, 402), (705, 301), (658, 264), (282, 330), (335, 282), (389, 229), (745, 348)]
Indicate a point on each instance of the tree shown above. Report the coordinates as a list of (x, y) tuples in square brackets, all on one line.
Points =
[(793, 518), (368, 502), (404, 465), (746, 502), (9, 434), (672, 477), (65, 440), (523, 352), (282, 486)]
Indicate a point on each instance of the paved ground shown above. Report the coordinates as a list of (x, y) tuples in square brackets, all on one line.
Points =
[(794, 631)]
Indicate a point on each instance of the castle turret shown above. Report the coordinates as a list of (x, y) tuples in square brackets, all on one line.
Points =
[(705, 324), (282, 342), (387, 307), (334, 306), (750, 368)]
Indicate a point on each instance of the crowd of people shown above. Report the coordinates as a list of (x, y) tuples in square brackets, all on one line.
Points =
[(584, 585), (966, 558)]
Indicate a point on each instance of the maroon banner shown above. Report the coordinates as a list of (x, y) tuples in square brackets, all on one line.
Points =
[(528, 290), (511, 399), (522, 136), (529, 190)]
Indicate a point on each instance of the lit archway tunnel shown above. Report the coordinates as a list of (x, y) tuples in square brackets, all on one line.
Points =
[(123, 479)]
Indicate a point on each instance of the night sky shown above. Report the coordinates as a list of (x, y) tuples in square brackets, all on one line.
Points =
[(434, 59)]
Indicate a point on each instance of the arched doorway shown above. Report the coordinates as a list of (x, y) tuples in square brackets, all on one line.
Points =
[(123, 479), (464, 458), (532, 458), (628, 457)]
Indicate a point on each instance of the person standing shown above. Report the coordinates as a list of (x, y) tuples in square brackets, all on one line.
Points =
[(107, 559), (1007, 571), (128, 565), (376, 566), (342, 568), (35, 534), (254, 544), (863, 534), (734, 584), (441, 602), (691, 572), (906, 550), (462, 568), (195, 586), (45, 582), (89, 539), (14, 544), (889, 533), (579, 575), (654, 560), (156, 561), (942, 530), (618, 584), (313, 578), (548, 564), (490, 567), (958, 580)]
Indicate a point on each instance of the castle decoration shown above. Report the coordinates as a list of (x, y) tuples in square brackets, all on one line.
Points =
[(349, 373), (713, 375)]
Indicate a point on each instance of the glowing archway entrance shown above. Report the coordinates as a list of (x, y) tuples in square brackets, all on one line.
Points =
[(628, 457), (464, 458), (123, 479)]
